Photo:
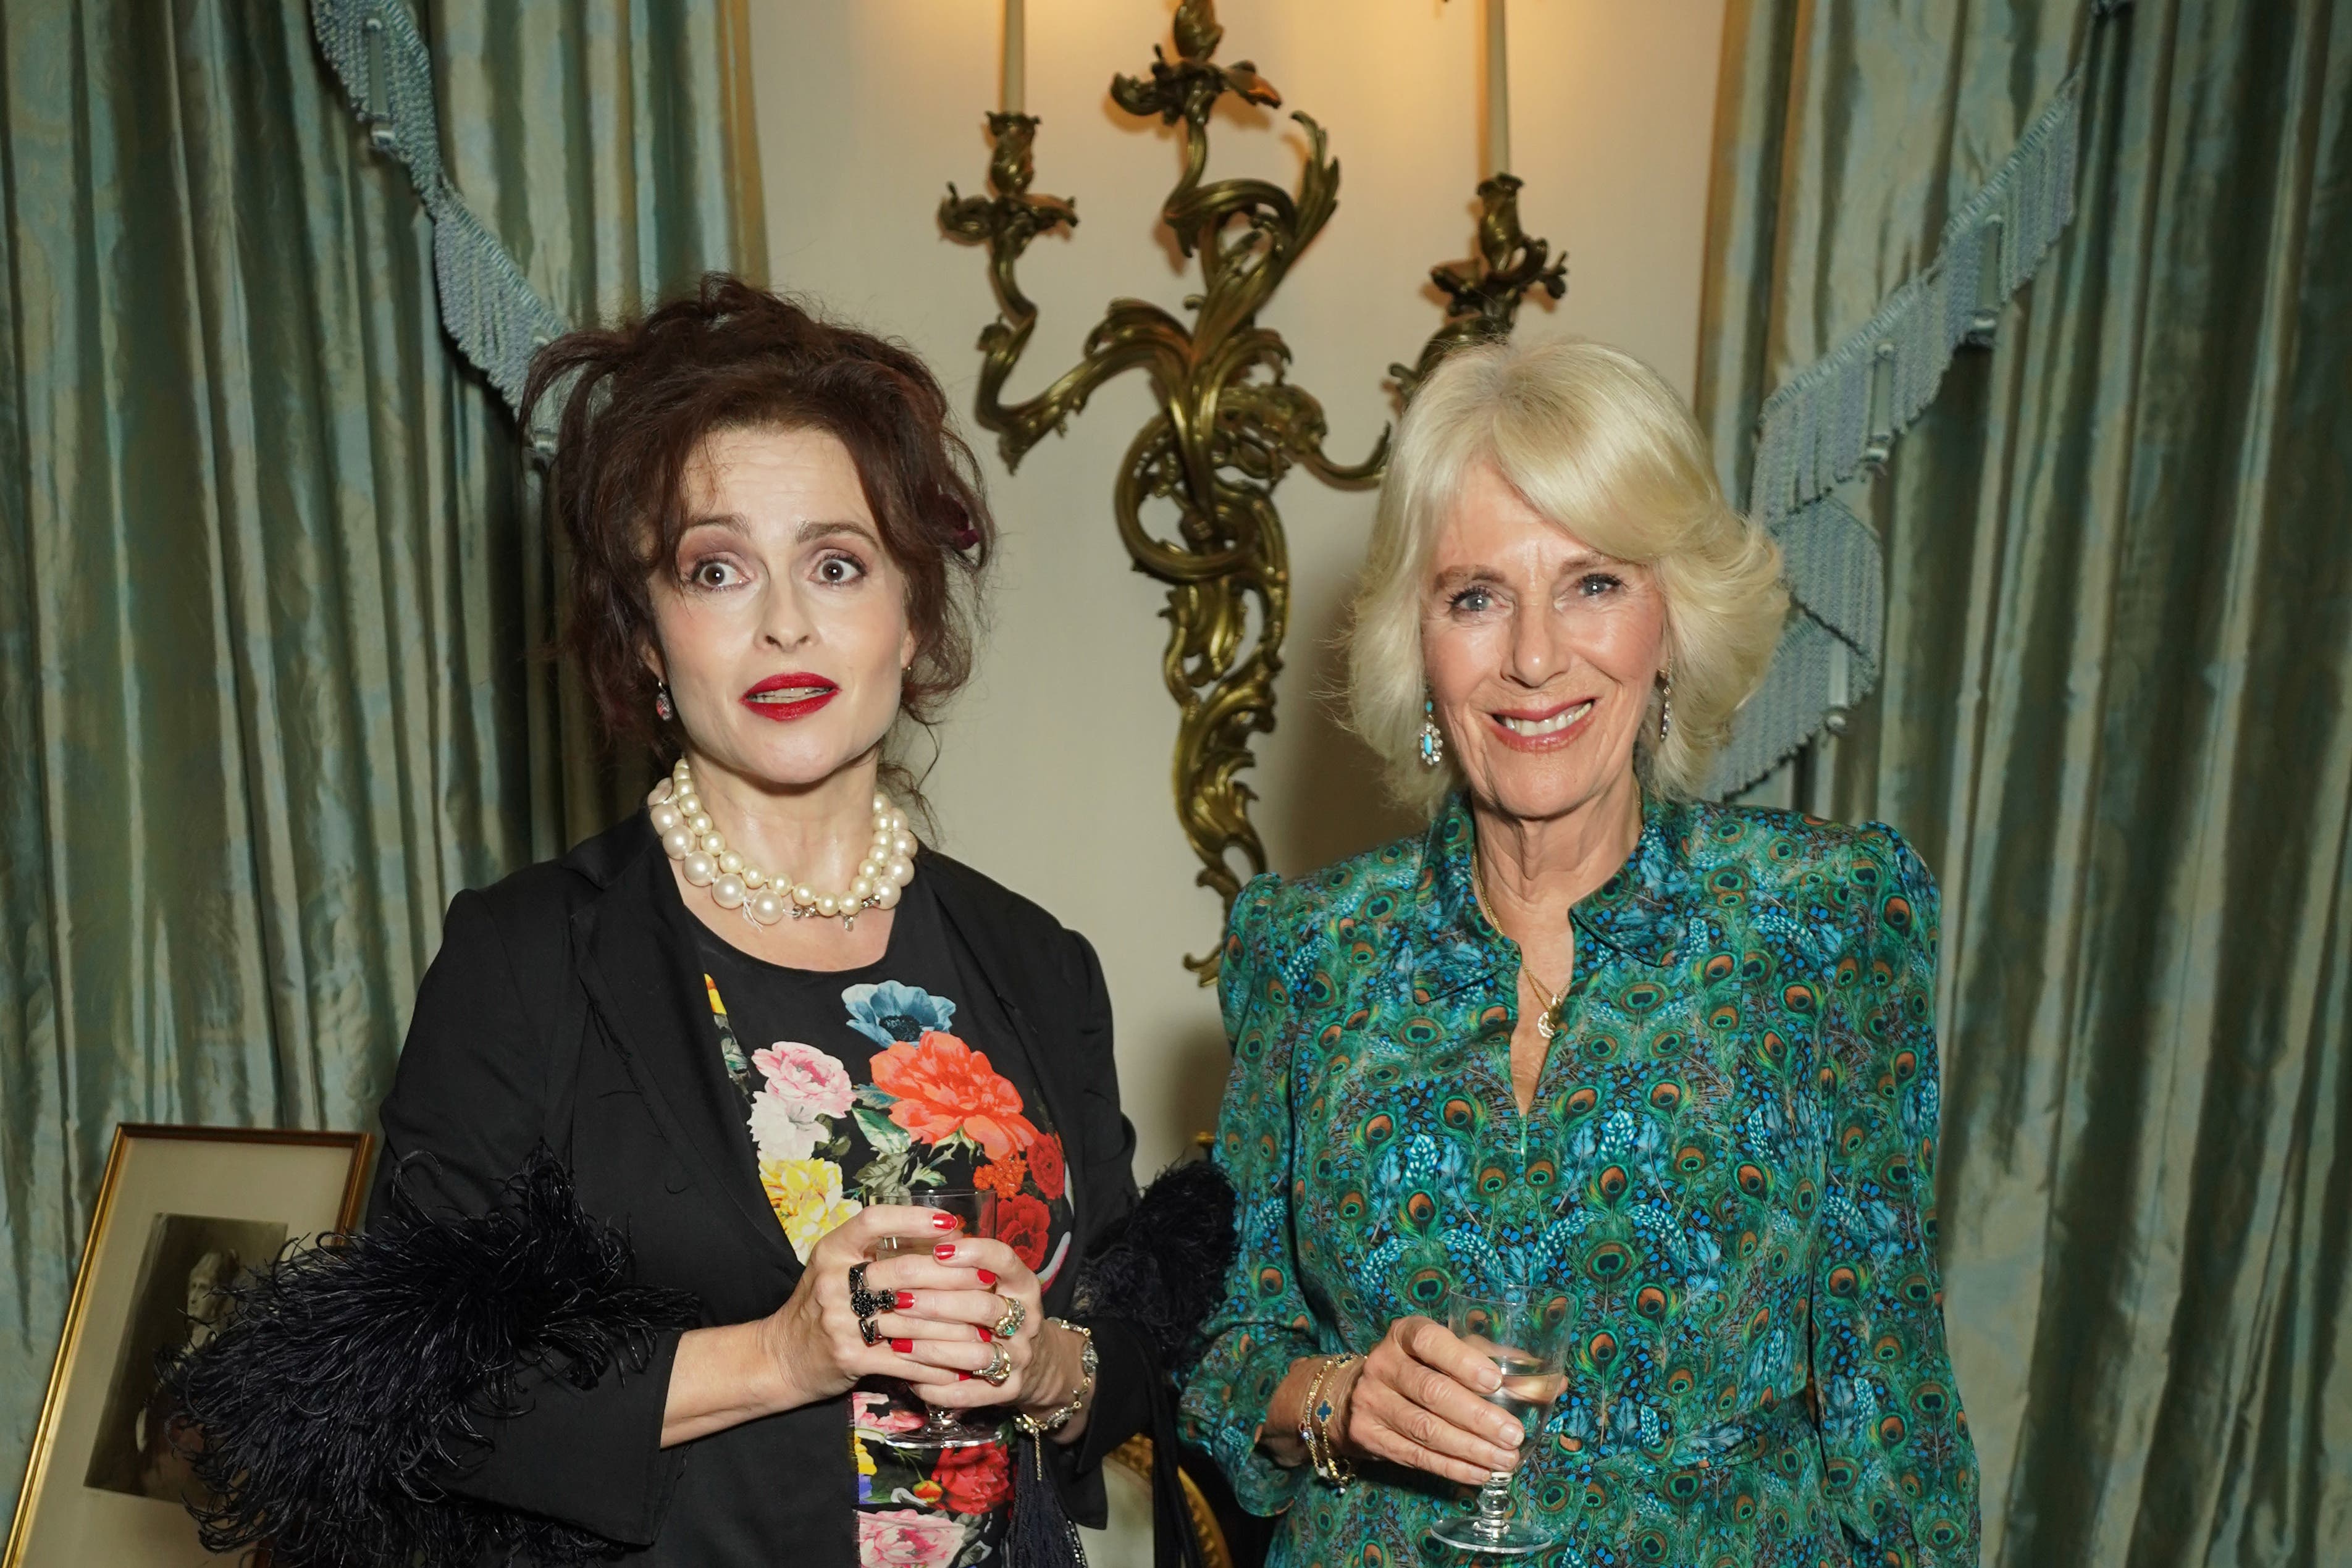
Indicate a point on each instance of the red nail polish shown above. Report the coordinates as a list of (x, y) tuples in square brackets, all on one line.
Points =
[(963, 1377), (944, 1252), (985, 1337), (902, 1346), (905, 1301), (941, 1221), (986, 1277)]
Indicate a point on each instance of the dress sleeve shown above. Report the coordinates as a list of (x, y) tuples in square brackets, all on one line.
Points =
[(1262, 1324), (1899, 1466), (465, 1113)]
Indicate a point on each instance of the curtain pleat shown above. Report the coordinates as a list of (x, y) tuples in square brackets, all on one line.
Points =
[(274, 580), (2117, 716)]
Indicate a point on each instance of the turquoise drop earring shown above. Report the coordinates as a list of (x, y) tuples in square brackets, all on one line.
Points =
[(1433, 740)]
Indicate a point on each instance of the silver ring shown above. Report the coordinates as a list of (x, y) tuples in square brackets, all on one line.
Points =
[(1015, 1315), (999, 1367)]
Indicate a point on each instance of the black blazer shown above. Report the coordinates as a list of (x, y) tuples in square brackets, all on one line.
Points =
[(567, 1005)]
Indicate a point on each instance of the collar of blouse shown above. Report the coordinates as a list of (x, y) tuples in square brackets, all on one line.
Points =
[(1643, 911)]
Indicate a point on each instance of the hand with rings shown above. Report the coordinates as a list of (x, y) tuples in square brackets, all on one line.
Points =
[(971, 1314)]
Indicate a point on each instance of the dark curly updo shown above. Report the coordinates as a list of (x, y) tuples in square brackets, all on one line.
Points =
[(639, 398)]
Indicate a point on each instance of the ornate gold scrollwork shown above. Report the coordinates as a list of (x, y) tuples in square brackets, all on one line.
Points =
[(1481, 305), (1230, 426)]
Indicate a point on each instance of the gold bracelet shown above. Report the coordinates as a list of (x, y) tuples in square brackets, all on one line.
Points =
[(1314, 1425), (1056, 1419)]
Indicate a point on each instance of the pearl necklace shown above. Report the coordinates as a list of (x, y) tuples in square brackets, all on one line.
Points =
[(688, 837)]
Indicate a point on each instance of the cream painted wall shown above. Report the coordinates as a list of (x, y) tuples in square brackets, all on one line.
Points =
[(1054, 771)]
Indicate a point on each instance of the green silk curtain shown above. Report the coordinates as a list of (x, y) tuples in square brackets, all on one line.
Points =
[(2116, 715), (273, 580)]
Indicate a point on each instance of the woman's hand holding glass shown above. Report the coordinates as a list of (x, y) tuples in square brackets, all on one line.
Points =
[(952, 1301), (1419, 1399), (814, 1341)]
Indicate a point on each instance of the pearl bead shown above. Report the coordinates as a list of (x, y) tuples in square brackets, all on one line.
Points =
[(689, 836)]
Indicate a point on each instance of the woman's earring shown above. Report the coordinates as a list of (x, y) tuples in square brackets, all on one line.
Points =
[(1666, 705), (664, 709), (1433, 739)]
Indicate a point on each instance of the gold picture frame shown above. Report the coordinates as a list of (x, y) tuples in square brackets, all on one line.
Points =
[(181, 1210)]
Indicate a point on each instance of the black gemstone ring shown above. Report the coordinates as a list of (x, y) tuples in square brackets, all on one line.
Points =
[(866, 1303), (867, 1329)]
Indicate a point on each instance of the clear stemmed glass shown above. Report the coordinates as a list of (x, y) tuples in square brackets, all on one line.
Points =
[(1527, 1339), (975, 1214)]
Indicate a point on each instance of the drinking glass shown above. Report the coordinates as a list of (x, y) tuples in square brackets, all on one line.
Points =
[(975, 1214), (1527, 1339)]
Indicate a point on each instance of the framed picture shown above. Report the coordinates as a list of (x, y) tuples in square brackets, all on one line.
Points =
[(182, 1212)]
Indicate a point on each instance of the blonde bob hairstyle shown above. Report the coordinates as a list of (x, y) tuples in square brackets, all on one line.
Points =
[(1601, 446)]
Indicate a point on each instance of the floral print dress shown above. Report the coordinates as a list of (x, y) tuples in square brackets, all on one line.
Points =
[(900, 1075), (1726, 1180)]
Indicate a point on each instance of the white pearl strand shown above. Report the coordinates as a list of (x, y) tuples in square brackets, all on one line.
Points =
[(688, 837)]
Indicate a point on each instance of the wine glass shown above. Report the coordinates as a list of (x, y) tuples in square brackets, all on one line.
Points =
[(975, 1214), (1525, 1336)]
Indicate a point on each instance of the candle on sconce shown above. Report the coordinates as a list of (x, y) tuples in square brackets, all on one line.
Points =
[(1499, 93), (1016, 52)]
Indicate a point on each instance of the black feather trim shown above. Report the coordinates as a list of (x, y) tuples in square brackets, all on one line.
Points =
[(352, 1377), (1163, 1266)]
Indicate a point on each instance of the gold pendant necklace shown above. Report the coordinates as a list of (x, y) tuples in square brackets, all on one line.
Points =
[(1549, 1019)]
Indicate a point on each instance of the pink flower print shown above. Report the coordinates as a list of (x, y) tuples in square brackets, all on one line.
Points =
[(873, 1412), (908, 1538), (805, 1078)]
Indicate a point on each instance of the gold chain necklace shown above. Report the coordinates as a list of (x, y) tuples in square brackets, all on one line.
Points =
[(1552, 1000)]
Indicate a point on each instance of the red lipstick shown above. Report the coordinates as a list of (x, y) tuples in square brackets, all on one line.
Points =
[(797, 695)]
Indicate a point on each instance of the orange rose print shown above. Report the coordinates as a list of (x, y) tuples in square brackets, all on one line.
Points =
[(944, 1087)]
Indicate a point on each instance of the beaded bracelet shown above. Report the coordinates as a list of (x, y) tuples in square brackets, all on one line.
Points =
[(1056, 1419), (1314, 1425)]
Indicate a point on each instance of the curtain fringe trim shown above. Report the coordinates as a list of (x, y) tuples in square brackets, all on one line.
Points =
[(488, 308), (1840, 416)]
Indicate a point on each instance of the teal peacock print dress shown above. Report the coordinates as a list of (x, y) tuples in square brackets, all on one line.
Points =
[(1727, 1176)]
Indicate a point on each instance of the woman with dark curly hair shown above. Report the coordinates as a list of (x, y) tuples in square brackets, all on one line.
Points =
[(658, 1266)]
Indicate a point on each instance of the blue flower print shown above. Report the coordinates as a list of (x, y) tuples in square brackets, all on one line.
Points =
[(891, 1014)]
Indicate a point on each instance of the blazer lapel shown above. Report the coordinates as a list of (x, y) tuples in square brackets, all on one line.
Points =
[(637, 957)]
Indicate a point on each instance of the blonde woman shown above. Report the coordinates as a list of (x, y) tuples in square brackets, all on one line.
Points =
[(1666, 1066)]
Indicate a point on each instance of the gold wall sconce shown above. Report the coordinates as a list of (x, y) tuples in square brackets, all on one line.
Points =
[(1230, 425)]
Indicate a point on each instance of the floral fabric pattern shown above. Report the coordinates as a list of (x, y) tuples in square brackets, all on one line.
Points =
[(1727, 1176), (907, 1105)]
